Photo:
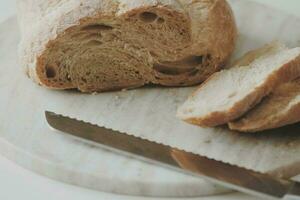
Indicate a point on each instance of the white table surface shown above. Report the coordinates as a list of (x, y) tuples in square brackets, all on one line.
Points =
[(18, 183)]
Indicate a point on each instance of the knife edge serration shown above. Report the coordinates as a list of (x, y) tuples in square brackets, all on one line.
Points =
[(49, 116), (226, 174)]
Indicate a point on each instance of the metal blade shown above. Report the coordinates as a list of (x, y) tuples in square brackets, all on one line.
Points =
[(227, 175)]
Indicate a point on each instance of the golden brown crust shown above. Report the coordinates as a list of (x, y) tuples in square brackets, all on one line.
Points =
[(274, 111), (225, 29)]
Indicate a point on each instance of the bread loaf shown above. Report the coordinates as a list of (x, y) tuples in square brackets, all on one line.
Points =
[(229, 94), (101, 45), (280, 108)]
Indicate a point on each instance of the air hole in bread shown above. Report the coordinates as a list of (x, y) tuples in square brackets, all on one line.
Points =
[(171, 70), (194, 72), (185, 65), (50, 71), (68, 77), (190, 61), (196, 60), (160, 20), (97, 27), (90, 36), (94, 43), (153, 54), (208, 57), (77, 34), (148, 17), (84, 80)]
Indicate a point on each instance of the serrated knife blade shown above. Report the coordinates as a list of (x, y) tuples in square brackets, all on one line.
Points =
[(230, 176)]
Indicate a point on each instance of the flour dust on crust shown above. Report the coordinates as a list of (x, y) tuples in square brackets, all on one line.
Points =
[(112, 45)]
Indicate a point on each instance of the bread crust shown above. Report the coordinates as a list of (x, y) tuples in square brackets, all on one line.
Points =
[(211, 25), (274, 111)]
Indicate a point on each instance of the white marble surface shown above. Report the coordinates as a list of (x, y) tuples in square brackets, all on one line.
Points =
[(30, 143), (25, 186)]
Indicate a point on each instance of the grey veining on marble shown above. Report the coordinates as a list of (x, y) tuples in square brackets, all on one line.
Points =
[(148, 112)]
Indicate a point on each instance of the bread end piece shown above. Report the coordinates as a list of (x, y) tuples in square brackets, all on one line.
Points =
[(280, 108)]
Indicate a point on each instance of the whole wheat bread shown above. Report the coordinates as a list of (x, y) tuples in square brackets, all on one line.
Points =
[(100, 45), (229, 94), (280, 108)]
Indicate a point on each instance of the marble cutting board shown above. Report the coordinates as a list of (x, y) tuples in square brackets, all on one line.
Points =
[(148, 112)]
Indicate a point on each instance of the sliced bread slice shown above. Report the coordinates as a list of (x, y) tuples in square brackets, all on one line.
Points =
[(281, 108), (229, 94)]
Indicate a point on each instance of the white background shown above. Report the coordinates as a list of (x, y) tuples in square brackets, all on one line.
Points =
[(18, 183)]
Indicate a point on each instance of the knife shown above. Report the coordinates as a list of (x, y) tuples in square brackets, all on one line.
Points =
[(230, 176)]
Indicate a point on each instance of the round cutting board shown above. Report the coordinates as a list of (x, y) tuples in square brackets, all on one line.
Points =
[(26, 139)]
